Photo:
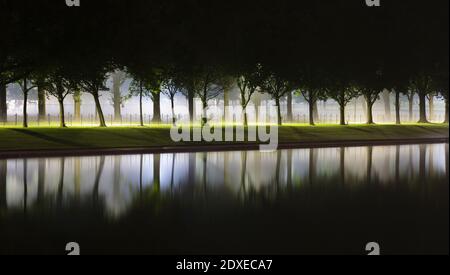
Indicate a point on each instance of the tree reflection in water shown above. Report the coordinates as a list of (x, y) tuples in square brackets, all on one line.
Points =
[(349, 189)]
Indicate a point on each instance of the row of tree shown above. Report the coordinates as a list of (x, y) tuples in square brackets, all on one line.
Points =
[(201, 49), (209, 86)]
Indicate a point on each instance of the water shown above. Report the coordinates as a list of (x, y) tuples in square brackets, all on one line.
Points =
[(305, 201)]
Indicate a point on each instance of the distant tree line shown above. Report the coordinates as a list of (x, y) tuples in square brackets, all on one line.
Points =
[(320, 49)]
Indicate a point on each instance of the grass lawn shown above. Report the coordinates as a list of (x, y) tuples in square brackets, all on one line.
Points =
[(15, 139)]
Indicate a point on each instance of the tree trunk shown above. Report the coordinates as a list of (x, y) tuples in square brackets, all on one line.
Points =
[(364, 106), (141, 110), (244, 109), (172, 105), (226, 103), (191, 95), (397, 108), (204, 112), (342, 114), (77, 105), (411, 107), (257, 102), (3, 103), (316, 111), (370, 113), (431, 107), (279, 118), (387, 104), (41, 104), (289, 107), (245, 118), (117, 97), (156, 108), (446, 110), (422, 108), (98, 106), (62, 119), (25, 103), (311, 113)]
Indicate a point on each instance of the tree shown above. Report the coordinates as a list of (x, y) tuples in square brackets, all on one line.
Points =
[(155, 95), (93, 83), (188, 91), (430, 99), (313, 87), (311, 96), (441, 80), (42, 96), (371, 96), (26, 85), (410, 96), (445, 96), (77, 105), (277, 87), (248, 83), (12, 70), (138, 88), (203, 82), (118, 79), (170, 88), (227, 83), (152, 82), (397, 107), (342, 93), (422, 83), (59, 86), (3, 103), (370, 85), (386, 94)]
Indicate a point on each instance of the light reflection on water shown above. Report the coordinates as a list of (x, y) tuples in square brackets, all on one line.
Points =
[(123, 176), (117, 182)]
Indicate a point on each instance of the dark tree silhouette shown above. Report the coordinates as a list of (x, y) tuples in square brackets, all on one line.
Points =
[(170, 88), (277, 87), (26, 85), (93, 84)]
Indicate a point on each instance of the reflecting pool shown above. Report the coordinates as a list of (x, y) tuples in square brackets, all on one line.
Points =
[(299, 201)]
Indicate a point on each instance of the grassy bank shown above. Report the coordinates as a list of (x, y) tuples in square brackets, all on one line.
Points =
[(19, 139)]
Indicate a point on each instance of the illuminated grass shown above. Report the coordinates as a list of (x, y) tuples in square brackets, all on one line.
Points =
[(41, 138)]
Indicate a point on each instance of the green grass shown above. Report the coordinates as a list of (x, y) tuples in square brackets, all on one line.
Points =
[(14, 139)]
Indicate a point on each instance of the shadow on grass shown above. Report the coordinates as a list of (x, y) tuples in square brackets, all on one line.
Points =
[(48, 138)]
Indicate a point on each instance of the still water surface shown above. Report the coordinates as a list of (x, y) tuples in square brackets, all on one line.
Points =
[(301, 201)]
